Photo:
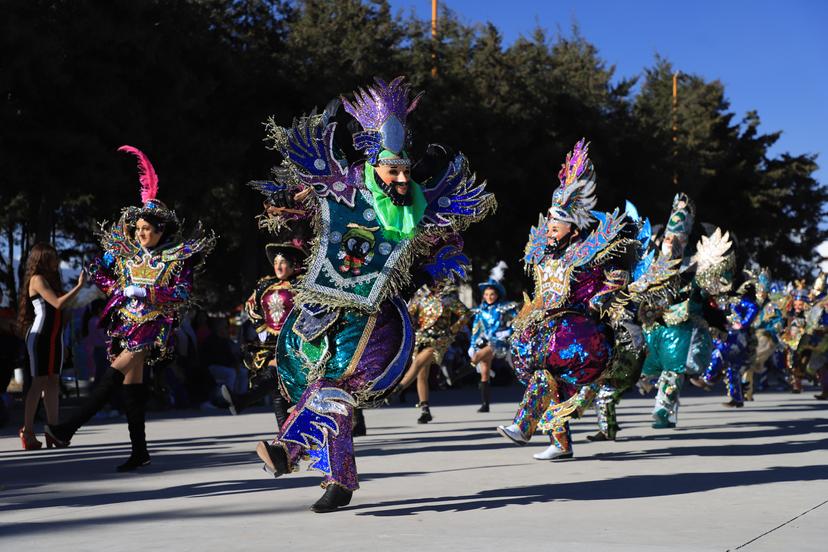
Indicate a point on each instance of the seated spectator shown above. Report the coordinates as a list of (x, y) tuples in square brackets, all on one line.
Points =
[(222, 356)]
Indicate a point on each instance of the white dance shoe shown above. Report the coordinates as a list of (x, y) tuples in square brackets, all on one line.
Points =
[(513, 433), (552, 452)]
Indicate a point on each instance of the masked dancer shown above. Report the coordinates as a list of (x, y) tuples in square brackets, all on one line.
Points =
[(560, 346), (349, 338), (676, 330)]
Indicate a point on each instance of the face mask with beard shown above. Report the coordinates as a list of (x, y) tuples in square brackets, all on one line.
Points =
[(556, 245), (400, 200)]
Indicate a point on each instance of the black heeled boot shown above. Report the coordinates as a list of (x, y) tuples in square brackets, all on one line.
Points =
[(485, 396), (262, 385), (62, 433), (335, 497), (135, 404), (359, 429)]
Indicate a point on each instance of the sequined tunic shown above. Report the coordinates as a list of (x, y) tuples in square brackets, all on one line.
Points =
[(567, 339), (268, 308), (349, 337), (679, 341), (492, 325), (145, 323)]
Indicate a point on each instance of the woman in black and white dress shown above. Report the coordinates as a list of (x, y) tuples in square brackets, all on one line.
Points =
[(41, 302)]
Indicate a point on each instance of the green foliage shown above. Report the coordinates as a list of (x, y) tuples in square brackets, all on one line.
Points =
[(190, 83)]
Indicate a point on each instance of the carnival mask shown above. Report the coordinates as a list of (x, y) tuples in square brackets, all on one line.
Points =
[(395, 183)]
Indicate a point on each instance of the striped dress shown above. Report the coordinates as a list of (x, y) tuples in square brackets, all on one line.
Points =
[(44, 342)]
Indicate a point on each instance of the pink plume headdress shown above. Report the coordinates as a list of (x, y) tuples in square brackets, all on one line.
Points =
[(574, 199), (149, 190), (146, 173)]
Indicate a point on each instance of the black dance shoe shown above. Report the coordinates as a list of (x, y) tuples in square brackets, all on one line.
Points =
[(136, 460), (425, 416), (600, 436), (334, 497)]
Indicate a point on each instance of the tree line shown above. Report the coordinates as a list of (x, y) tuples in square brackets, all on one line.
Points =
[(191, 81)]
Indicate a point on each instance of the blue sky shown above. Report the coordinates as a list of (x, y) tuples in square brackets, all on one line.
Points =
[(771, 56)]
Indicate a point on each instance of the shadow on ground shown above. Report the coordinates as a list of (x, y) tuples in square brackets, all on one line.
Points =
[(636, 486)]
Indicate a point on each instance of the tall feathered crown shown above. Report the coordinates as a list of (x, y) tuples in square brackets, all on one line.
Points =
[(763, 280), (681, 218), (382, 110), (800, 291), (574, 199), (149, 190)]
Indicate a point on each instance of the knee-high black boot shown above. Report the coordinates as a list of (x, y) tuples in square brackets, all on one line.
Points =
[(485, 396), (135, 404), (359, 424), (62, 433), (280, 407)]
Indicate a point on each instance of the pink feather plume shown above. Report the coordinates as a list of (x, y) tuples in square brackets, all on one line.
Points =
[(146, 173)]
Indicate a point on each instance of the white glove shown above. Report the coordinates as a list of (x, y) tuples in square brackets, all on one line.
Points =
[(135, 291)]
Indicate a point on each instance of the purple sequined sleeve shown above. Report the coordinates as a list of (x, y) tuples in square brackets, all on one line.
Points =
[(100, 273), (178, 292)]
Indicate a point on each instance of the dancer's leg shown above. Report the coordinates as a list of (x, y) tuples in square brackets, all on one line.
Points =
[(482, 359), (135, 404), (127, 364), (539, 393), (665, 412)]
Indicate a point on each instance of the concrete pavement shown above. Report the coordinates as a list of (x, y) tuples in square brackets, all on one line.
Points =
[(754, 479)]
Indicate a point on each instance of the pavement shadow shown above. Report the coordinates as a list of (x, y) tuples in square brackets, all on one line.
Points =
[(767, 428), (636, 486), (15, 498)]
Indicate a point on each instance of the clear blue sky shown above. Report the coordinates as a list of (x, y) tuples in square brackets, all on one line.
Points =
[(771, 56)]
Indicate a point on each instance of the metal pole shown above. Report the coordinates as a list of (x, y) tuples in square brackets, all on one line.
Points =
[(433, 38), (675, 128)]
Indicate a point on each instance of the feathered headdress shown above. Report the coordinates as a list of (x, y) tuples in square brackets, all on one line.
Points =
[(382, 110), (800, 291), (574, 198), (680, 223), (715, 260), (495, 281), (149, 190)]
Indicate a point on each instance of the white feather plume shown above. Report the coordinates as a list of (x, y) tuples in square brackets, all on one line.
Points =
[(712, 250), (498, 272)]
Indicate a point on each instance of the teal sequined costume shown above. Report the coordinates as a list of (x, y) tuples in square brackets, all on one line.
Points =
[(349, 338)]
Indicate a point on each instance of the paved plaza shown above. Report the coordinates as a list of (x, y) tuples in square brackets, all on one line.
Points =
[(754, 479)]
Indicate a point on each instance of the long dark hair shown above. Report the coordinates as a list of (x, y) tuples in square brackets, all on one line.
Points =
[(43, 260)]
